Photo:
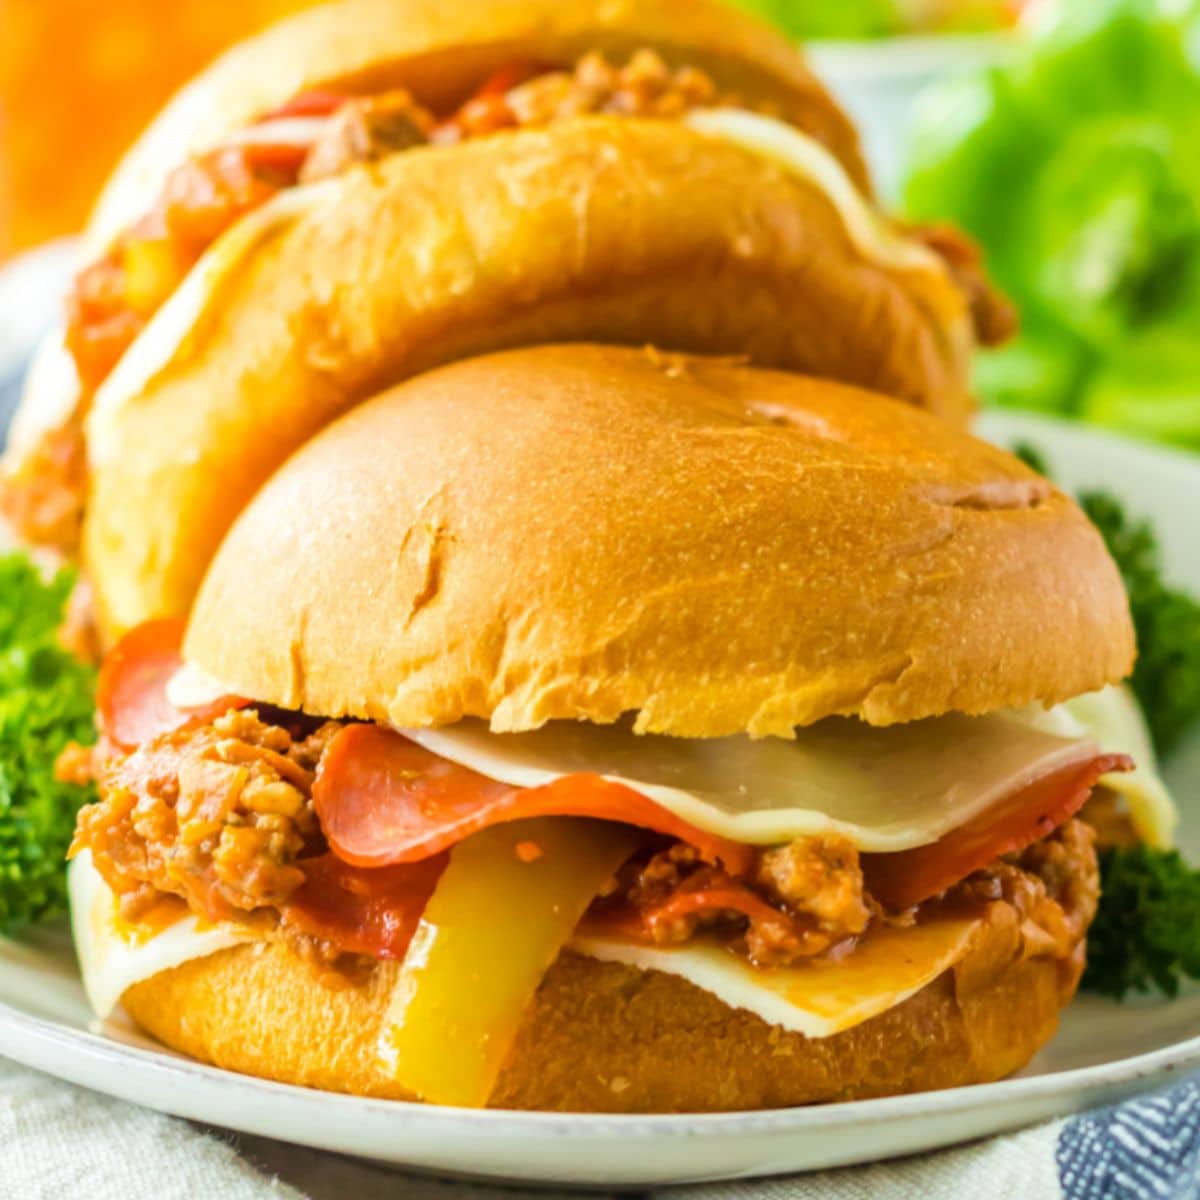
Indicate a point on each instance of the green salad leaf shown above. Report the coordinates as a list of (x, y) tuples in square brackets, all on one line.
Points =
[(46, 701), (850, 19), (1146, 935), (817, 19), (1077, 166)]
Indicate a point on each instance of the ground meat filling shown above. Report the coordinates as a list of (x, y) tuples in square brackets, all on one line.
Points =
[(1054, 885), (800, 900), (645, 87), (221, 816), (366, 130), (42, 494), (218, 816), (807, 899)]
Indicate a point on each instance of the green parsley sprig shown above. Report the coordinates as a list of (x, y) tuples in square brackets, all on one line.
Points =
[(1146, 935), (46, 701)]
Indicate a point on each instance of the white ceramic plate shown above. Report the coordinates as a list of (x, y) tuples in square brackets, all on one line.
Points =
[(1104, 1051)]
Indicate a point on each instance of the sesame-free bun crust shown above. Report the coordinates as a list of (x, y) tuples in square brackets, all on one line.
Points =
[(579, 532), (442, 51), (605, 1037), (601, 229)]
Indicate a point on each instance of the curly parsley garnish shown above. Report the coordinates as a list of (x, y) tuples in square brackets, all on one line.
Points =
[(46, 701)]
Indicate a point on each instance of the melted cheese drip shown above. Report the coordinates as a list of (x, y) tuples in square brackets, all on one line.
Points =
[(1112, 718), (175, 326), (113, 956), (804, 157)]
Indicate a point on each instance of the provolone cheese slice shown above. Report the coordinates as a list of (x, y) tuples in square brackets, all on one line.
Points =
[(51, 396), (112, 958), (282, 131), (884, 789), (877, 240), (818, 999), (806, 158), (179, 320), (1111, 718)]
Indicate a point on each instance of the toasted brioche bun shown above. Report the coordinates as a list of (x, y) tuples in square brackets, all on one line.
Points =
[(578, 532), (603, 1037), (443, 52), (603, 229)]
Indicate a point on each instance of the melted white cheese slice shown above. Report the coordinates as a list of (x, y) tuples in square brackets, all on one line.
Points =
[(754, 791), (819, 999), (50, 398), (884, 789), (804, 157), (112, 957), (282, 131), (177, 323), (1111, 717)]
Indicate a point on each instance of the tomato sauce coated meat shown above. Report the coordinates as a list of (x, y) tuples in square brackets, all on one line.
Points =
[(222, 815), (334, 834)]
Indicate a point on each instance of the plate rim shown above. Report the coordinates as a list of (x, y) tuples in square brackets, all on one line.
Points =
[(1152, 1064)]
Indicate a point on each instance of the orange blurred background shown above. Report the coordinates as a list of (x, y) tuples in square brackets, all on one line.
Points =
[(79, 79)]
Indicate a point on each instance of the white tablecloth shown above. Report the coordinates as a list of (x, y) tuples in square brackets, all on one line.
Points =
[(59, 1142)]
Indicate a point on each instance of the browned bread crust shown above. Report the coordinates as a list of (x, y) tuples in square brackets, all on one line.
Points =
[(578, 532), (602, 1037), (604, 229)]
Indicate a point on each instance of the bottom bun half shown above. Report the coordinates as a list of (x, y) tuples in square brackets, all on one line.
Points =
[(605, 1037)]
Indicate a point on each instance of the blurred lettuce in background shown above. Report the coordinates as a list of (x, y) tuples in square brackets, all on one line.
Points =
[(1077, 165), (884, 18)]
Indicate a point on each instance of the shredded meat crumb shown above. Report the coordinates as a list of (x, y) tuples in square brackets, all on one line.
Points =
[(42, 494), (644, 87), (218, 816), (800, 901), (366, 130), (1054, 885), (221, 815)]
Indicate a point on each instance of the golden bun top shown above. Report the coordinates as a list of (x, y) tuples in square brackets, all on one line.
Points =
[(578, 532), (442, 51)]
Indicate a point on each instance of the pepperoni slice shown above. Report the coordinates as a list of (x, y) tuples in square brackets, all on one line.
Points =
[(383, 799), (643, 924), (312, 103), (372, 912), (131, 693), (905, 878), (284, 158), (502, 81)]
